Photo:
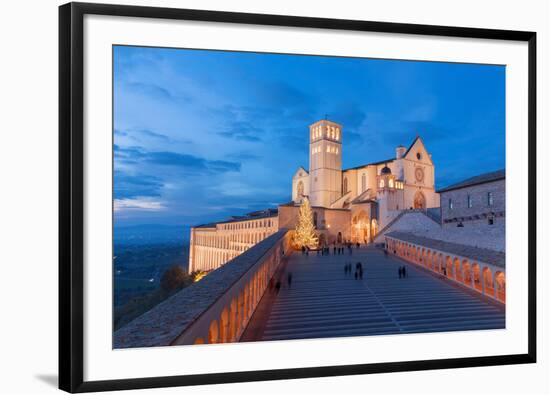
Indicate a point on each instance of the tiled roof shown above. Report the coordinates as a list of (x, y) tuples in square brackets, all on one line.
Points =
[(370, 164), (267, 213), (480, 179), (387, 160), (474, 253)]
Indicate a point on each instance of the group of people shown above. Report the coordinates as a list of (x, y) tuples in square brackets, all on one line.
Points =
[(337, 248), (358, 270), (402, 271)]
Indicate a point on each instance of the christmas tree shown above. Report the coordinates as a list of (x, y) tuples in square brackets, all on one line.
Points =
[(304, 235)]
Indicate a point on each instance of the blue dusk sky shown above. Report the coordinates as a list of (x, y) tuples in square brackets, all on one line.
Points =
[(203, 135)]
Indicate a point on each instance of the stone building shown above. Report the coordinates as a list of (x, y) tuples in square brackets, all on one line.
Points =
[(475, 202), (355, 203), (212, 245)]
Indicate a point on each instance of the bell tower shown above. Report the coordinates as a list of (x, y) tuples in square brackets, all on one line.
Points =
[(325, 163)]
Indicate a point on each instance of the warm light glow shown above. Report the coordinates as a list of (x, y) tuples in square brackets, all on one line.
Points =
[(199, 275)]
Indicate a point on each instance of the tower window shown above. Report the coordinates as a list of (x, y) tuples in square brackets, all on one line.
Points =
[(490, 199), (470, 201), (450, 204)]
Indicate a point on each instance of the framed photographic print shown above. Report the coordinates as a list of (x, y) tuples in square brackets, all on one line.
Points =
[(253, 197)]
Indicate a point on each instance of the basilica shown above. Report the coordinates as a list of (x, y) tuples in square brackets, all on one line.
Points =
[(356, 203)]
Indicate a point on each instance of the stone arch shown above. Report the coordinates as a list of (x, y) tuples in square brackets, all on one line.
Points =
[(373, 228), (488, 281), (476, 274), (419, 200), (467, 272), (500, 286), (233, 320), (213, 332), (360, 225), (224, 326), (448, 267), (457, 270)]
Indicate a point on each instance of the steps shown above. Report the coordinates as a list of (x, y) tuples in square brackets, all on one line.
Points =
[(325, 302)]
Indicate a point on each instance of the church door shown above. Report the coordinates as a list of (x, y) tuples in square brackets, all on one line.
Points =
[(419, 200)]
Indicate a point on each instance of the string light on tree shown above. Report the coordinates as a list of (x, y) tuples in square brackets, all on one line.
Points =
[(304, 235)]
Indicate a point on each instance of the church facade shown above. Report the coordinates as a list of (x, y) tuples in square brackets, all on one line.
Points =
[(356, 203)]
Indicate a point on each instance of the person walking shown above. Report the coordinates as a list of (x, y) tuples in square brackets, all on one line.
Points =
[(289, 279), (356, 274), (404, 271), (277, 286)]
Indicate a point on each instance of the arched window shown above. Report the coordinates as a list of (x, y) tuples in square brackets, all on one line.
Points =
[(300, 188), (363, 182), (390, 183), (345, 185), (382, 183)]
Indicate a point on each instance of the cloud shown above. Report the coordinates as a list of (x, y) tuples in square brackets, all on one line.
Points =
[(140, 203), (174, 159), (242, 131), (130, 186), (150, 90), (243, 156)]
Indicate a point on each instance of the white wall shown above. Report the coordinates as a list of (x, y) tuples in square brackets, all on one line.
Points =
[(28, 161)]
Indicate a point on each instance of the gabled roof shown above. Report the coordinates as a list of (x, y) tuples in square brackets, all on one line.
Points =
[(300, 168), (370, 164), (413, 143), (363, 197), (476, 180), (388, 160)]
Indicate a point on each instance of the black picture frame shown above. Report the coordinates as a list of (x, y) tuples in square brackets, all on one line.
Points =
[(71, 204)]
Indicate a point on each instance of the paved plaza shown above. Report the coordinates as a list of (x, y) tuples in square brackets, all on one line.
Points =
[(324, 301)]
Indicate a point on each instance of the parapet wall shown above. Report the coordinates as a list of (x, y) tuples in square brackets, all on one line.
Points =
[(214, 310)]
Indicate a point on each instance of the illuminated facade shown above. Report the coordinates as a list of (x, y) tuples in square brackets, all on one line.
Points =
[(373, 194), (212, 245)]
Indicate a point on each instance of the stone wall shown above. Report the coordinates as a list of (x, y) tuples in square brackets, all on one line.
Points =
[(214, 310), (475, 234), (480, 210)]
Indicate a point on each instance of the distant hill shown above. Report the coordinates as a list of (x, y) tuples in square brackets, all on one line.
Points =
[(151, 234)]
